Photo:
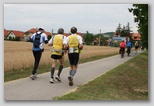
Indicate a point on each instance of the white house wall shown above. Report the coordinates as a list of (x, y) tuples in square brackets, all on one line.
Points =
[(11, 34)]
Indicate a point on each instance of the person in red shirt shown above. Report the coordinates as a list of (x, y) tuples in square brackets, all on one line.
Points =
[(122, 48)]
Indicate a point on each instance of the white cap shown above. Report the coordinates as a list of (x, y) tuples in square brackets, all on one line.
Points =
[(41, 28)]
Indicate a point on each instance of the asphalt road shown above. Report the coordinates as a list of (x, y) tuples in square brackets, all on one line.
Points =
[(42, 89)]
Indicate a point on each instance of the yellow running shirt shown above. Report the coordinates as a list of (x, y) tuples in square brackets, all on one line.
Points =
[(57, 45), (73, 44)]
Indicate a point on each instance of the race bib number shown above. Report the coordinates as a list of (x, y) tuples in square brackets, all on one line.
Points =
[(71, 50)]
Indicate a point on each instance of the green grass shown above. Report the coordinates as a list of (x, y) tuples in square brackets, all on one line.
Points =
[(128, 81), (17, 74)]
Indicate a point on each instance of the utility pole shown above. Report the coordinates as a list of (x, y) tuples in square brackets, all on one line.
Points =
[(100, 38), (52, 31)]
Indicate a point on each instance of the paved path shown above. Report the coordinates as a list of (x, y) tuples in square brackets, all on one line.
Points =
[(42, 89)]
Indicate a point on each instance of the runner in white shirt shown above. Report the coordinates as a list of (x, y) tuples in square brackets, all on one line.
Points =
[(38, 39)]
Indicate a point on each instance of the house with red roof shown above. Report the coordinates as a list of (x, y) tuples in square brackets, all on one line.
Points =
[(136, 36), (6, 33), (24, 36), (95, 41), (12, 34)]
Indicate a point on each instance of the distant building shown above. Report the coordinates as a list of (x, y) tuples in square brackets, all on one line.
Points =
[(12, 34), (119, 38), (24, 36), (95, 41), (6, 33), (136, 36)]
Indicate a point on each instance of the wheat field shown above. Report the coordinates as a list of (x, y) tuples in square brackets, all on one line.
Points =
[(18, 55)]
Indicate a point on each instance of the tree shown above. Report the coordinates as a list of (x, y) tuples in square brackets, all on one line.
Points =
[(140, 11), (102, 40), (123, 32), (49, 37), (88, 38), (119, 29)]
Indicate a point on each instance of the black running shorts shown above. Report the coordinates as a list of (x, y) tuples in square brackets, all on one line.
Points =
[(53, 56), (73, 58)]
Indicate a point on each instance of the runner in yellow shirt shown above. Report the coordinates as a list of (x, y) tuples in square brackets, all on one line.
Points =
[(74, 44), (57, 53)]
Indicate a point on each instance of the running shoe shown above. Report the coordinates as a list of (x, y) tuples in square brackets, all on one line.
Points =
[(51, 80), (58, 78), (70, 78), (33, 77)]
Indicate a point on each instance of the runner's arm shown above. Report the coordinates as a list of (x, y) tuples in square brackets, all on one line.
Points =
[(31, 39), (65, 46), (80, 42), (50, 43), (46, 39)]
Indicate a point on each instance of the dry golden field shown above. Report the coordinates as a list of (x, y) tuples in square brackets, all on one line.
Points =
[(18, 55)]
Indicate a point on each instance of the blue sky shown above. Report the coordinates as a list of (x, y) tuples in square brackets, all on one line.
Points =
[(86, 17)]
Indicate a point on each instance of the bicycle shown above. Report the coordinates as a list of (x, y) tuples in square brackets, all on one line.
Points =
[(122, 51), (128, 51)]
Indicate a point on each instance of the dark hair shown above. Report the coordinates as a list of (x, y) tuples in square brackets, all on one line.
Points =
[(73, 30), (60, 31)]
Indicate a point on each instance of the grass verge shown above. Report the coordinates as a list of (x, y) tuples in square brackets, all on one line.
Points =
[(128, 81), (17, 74)]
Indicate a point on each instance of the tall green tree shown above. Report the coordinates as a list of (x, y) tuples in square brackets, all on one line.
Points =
[(88, 38), (119, 29), (140, 11), (123, 32)]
